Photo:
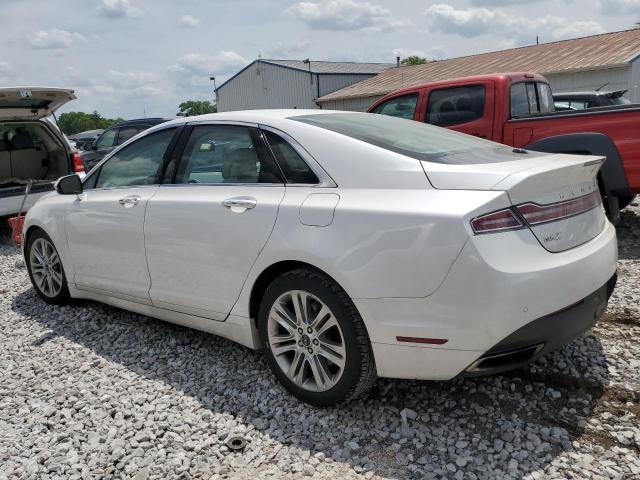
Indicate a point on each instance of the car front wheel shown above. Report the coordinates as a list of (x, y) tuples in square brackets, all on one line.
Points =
[(314, 339), (45, 269)]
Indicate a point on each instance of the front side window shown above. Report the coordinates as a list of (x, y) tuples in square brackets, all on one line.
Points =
[(137, 163), (224, 154), (292, 164), (402, 107), (107, 139), (454, 106)]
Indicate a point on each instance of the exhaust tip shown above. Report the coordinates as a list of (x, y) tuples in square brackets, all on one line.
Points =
[(501, 361)]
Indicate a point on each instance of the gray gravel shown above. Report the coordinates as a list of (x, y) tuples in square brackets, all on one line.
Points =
[(89, 391)]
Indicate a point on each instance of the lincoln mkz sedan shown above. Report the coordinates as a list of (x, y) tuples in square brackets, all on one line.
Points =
[(346, 246)]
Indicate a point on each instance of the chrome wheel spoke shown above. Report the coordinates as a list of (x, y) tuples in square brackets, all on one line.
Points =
[(328, 323), (317, 372), (280, 314), (299, 300), (333, 352), (283, 346), (296, 367)]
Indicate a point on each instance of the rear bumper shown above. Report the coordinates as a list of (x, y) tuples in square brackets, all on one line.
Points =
[(544, 334), (499, 286)]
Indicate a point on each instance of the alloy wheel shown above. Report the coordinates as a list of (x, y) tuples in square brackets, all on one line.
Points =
[(46, 267), (306, 341)]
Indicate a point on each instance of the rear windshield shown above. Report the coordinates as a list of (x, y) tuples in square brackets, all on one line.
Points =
[(413, 139)]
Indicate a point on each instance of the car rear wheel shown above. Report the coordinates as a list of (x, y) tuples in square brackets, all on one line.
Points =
[(314, 339), (45, 269)]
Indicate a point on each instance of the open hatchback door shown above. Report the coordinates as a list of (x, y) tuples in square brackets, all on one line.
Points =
[(32, 103)]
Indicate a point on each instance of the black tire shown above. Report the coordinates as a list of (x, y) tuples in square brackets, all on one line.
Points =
[(62, 297), (359, 372)]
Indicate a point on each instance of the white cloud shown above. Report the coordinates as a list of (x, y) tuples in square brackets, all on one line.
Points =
[(343, 15), (472, 22), (621, 7), (287, 50), (6, 72), (118, 9), (201, 65), (54, 39), (189, 21)]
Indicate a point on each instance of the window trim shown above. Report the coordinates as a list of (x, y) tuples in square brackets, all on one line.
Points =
[(97, 169), (324, 179), (189, 127)]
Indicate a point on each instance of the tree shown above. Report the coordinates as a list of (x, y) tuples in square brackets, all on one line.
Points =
[(414, 60), (196, 107), (76, 122)]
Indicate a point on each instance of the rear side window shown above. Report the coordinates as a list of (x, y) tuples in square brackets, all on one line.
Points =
[(217, 154), (453, 106), (401, 107), (107, 139), (531, 98), (294, 167)]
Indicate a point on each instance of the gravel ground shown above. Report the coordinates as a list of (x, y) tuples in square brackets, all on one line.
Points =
[(89, 391)]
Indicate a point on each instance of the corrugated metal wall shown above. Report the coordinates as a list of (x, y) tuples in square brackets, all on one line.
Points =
[(618, 79), (264, 85), (267, 86)]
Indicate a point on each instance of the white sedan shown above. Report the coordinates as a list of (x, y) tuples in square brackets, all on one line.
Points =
[(344, 245)]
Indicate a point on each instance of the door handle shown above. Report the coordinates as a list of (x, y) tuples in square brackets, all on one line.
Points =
[(129, 201), (240, 204)]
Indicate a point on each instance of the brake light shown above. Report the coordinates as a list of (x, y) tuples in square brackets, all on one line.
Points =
[(535, 214), (76, 163), (496, 222)]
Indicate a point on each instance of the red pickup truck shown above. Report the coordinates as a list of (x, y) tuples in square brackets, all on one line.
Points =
[(517, 109)]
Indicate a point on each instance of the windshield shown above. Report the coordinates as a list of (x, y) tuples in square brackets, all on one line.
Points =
[(413, 139)]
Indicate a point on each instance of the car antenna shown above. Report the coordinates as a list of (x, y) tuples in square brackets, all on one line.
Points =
[(602, 86)]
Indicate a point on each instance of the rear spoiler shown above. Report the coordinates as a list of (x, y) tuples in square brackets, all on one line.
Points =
[(616, 94)]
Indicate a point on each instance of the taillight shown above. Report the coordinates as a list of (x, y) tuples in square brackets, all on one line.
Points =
[(496, 222), (535, 214), (76, 163)]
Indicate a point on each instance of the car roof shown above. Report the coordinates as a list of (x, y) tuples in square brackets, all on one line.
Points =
[(142, 121)]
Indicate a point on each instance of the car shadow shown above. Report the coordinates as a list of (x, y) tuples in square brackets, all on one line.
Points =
[(464, 418), (628, 231)]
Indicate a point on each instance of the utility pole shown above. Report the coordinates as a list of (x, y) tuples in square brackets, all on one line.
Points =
[(215, 91)]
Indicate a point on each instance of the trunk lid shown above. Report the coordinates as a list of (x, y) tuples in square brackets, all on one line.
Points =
[(32, 103), (555, 195)]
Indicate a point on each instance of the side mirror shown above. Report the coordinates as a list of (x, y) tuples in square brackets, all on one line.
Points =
[(94, 145), (69, 185)]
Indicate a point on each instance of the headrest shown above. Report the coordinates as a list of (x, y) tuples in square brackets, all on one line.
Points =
[(446, 107), (240, 166), (21, 141)]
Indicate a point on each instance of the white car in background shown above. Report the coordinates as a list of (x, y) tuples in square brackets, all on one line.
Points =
[(344, 245), (33, 150)]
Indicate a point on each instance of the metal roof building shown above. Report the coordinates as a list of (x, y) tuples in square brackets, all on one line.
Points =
[(289, 83), (579, 64)]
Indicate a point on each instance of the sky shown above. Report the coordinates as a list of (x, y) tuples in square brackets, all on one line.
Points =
[(136, 58)]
